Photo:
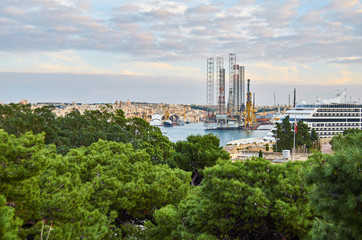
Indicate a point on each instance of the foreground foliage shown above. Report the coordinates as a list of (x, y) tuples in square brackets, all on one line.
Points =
[(136, 185), (111, 186), (103, 191), (338, 195), (284, 135), (198, 152), (77, 130), (9, 223), (23, 160), (242, 200)]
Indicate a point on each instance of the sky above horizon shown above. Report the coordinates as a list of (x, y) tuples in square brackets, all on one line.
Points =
[(156, 51)]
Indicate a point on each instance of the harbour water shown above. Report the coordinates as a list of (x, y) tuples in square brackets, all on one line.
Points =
[(180, 133)]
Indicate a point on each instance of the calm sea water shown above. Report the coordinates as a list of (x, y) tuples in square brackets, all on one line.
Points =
[(180, 133)]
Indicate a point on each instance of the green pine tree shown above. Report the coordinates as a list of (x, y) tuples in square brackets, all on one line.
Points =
[(314, 135), (9, 223), (283, 135), (302, 137), (197, 153), (338, 180), (242, 200)]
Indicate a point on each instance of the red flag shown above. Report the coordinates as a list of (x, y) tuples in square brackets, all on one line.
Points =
[(295, 127)]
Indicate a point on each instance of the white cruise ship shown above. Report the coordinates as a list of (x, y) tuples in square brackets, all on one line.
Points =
[(328, 117)]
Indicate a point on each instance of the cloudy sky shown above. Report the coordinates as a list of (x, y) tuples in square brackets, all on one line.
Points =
[(156, 51)]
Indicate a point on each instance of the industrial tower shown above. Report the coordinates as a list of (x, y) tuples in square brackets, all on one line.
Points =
[(220, 84), (210, 82), (231, 102), (236, 89), (242, 89), (250, 118), (295, 97), (236, 100)]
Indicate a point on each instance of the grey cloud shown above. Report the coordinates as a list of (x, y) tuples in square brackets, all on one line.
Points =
[(160, 14), (348, 61), (205, 9), (278, 15), (256, 30), (45, 25), (314, 18), (127, 8)]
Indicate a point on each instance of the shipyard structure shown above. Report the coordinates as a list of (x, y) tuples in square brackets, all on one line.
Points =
[(238, 112)]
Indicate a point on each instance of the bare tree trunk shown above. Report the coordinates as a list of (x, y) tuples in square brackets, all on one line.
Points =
[(194, 178)]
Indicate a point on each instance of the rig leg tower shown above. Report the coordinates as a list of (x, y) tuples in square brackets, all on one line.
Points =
[(220, 78), (210, 82), (232, 85)]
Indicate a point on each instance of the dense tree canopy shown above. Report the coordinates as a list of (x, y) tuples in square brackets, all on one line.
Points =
[(22, 160), (9, 223), (114, 183), (241, 200), (303, 135), (197, 153), (98, 175), (97, 192), (284, 135), (314, 135), (76, 129), (337, 195), (19, 118)]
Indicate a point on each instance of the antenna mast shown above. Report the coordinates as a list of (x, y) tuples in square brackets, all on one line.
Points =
[(295, 96)]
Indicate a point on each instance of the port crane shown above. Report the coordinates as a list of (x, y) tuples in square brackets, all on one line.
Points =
[(249, 113), (166, 112)]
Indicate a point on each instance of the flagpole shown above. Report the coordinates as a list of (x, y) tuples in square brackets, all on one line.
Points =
[(295, 127)]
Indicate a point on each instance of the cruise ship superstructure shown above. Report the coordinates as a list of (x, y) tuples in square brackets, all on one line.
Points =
[(328, 117)]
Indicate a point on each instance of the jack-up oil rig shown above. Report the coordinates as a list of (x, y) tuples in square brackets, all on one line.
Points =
[(235, 114)]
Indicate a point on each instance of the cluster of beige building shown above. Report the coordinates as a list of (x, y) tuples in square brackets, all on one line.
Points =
[(147, 110), (131, 109)]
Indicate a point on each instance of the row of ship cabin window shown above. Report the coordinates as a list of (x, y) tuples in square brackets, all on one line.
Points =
[(334, 124), (338, 110), (335, 129), (337, 114)]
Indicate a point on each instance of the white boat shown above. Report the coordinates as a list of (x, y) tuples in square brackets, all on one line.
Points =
[(276, 116), (156, 120), (265, 127)]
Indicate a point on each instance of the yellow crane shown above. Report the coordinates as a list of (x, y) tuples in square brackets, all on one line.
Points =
[(166, 112), (250, 117)]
